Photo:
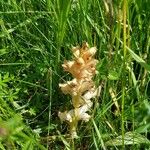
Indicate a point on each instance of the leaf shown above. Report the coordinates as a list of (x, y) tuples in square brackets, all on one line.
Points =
[(130, 138), (134, 81), (139, 59), (27, 145), (67, 145), (3, 51), (1, 146), (99, 135), (113, 75), (143, 128)]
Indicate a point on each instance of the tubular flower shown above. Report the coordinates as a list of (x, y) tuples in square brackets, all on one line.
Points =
[(81, 88)]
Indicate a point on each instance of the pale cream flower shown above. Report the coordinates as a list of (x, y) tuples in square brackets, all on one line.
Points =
[(70, 87), (76, 51), (83, 62), (79, 69), (75, 87), (76, 114), (87, 55)]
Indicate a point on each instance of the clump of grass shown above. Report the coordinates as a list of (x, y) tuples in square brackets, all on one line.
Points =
[(35, 37)]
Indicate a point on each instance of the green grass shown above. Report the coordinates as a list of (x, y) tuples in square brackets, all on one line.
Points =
[(35, 39)]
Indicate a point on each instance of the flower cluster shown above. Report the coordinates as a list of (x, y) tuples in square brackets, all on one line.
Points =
[(81, 88)]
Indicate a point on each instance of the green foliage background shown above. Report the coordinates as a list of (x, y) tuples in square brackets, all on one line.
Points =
[(36, 37)]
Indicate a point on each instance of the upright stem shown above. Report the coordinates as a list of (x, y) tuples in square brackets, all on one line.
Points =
[(122, 114), (123, 76), (49, 86), (124, 27), (72, 144)]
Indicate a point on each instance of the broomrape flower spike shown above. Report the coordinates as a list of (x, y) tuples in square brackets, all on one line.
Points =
[(81, 87)]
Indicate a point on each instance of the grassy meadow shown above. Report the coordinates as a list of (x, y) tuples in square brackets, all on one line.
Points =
[(36, 36)]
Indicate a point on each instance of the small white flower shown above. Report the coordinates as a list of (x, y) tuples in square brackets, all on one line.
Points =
[(65, 116), (77, 113)]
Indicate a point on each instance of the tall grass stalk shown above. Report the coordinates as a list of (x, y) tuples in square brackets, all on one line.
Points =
[(124, 71), (49, 87)]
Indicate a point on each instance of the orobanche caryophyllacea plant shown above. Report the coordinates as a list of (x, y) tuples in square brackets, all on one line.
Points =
[(81, 88)]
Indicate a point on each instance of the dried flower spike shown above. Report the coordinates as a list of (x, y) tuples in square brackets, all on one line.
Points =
[(81, 88)]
